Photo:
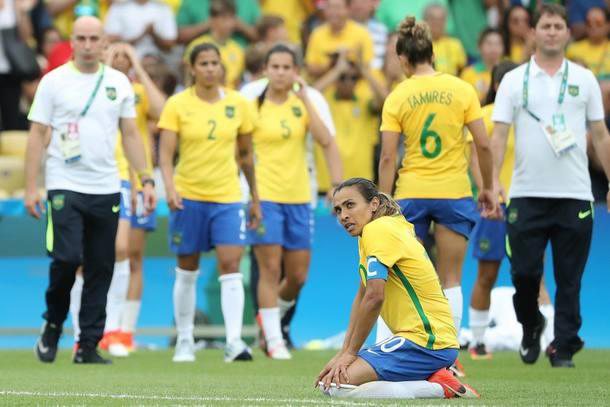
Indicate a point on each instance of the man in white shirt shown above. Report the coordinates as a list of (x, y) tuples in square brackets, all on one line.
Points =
[(552, 102), (82, 104), (150, 26)]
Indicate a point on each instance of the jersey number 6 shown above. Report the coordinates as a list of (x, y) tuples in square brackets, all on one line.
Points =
[(427, 133)]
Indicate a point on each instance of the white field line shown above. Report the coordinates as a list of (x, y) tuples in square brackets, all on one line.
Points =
[(178, 398)]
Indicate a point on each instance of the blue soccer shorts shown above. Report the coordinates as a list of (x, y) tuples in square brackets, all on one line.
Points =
[(489, 238), (458, 215), (287, 225)]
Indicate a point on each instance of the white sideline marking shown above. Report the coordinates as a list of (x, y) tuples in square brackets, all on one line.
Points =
[(178, 398)]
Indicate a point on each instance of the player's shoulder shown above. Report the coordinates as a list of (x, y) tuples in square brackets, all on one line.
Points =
[(580, 71), (383, 227), (118, 77)]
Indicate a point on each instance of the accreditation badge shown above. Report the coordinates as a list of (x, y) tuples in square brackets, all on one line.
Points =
[(70, 143), (559, 136)]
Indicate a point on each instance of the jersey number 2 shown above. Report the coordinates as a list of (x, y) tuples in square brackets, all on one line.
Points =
[(212, 124), (426, 134)]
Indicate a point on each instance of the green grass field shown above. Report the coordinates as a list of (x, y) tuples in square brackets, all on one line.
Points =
[(150, 378)]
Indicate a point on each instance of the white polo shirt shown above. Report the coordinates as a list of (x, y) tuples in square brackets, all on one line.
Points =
[(60, 98), (538, 171)]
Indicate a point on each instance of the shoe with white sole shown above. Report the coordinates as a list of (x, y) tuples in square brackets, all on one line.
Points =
[(279, 352), (118, 350), (237, 351), (185, 350)]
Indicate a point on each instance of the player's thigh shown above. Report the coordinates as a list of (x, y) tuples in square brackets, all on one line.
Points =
[(417, 212), (451, 250), (397, 359), (137, 244), (121, 243), (298, 226), (361, 372), (188, 228), (271, 229), (296, 265), (65, 226), (269, 260)]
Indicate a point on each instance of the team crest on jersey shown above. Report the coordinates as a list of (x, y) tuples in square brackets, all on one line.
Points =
[(177, 238), (297, 111), (230, 111), (58, 202), (111, 92), (513, 214), (484, 245), (137, 99), (573, 90)]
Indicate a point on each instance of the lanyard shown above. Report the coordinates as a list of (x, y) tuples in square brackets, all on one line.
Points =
[(562, 89), (94, 93)]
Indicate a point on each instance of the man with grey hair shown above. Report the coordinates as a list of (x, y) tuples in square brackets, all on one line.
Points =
[(82, 104)]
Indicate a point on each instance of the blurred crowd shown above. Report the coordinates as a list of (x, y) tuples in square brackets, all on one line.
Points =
[(347, 48)]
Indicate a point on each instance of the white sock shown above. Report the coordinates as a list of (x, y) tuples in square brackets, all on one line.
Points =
[(129, 318), (75, 297), (392, 390), (117, 294), (185, 290), (456, 303), (232, 300), (271, 326), (284, 306), (383, 332), (548, 310), (479, 320)]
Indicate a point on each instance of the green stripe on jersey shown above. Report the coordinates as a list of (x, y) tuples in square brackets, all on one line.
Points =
[(49, 228), (420, 310)]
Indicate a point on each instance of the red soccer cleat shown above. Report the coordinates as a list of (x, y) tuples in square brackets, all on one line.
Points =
[(452, 386)]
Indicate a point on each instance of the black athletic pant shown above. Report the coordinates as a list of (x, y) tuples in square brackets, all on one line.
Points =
[(81, 229), (567, 224), (11, 117)]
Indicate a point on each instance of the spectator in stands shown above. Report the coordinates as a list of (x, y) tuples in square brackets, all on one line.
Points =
[(14, 15), (479, 74), (194, 20), (64, 12), (593, 51), (577, 13), (271, 30), (518, 45), (255, 62), (449, 55), (362, 11), (355, 95), (149, 26), (392, 70), (294, 13), (470, 17), (223, 23), (339, 34), (50, 38)]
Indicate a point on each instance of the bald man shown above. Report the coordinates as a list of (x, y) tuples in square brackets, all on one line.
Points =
[(84, 104)]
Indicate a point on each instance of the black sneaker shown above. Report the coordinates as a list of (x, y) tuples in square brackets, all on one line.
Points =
[(557, 359), (86, 356), (530, 344), (46, 346)]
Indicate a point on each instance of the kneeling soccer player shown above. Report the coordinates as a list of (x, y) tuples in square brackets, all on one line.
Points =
[(400, 284)]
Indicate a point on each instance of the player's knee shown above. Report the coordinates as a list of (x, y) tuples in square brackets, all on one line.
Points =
[(228, 266), (486, 281), (121, 251), (299, 279)]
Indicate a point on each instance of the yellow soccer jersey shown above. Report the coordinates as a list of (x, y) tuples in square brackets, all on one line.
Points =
[(207, 137), (479, 77), (357, 133), (323, 43), (279, 136), (142, 106), (506, 173), (414, 306), (231, 54), (517, 53), (294, 13), (595, 57), (431, 112), (449, 55)]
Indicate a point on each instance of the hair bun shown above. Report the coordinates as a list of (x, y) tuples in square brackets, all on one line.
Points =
[(406, 26)]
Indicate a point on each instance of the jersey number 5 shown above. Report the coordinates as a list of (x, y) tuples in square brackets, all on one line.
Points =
[(426, 134), (286, 132)]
